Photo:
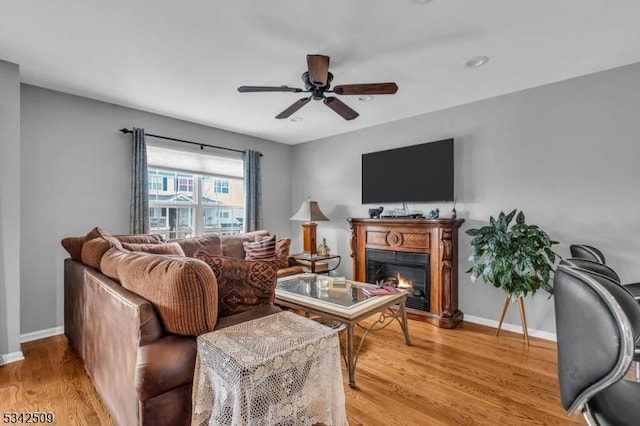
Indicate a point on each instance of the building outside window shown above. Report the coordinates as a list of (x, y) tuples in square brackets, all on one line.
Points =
[(185, 204)]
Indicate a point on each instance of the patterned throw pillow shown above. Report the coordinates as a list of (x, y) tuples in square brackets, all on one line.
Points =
[(283, 246), (264, 249), (242, 285)]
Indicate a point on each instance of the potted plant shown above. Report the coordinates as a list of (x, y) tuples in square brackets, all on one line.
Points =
[(516, 258)]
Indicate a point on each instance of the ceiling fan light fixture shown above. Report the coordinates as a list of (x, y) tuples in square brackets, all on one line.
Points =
[(365, 98), (477, 61)]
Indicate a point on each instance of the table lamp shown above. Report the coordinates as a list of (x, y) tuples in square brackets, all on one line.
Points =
[(308, 213)]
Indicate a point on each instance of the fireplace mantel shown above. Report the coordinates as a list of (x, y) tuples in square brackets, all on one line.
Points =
[(437, 237)]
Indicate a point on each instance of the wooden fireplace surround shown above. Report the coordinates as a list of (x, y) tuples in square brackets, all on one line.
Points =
[(437, 237)]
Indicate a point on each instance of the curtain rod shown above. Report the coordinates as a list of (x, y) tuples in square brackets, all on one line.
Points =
[(125, 131)]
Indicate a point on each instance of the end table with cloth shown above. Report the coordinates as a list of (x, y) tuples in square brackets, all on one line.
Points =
[(282, 369)]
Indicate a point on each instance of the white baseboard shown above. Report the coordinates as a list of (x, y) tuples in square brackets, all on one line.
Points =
[(29, 337), (11, 357), (511, 327), (41, 334)]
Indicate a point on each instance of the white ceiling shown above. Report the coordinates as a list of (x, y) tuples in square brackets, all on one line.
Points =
[(185, 59)]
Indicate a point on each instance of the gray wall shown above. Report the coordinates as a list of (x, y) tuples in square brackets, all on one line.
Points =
[(76, 175), (565, 153), (9, 211)]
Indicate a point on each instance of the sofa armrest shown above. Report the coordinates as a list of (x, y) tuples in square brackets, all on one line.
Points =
[(165, 364), (117, 322)]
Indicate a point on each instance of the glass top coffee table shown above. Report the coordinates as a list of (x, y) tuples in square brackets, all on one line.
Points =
[(309, 293)]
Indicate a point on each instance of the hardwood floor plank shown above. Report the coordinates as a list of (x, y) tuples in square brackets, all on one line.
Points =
[(465, 376)]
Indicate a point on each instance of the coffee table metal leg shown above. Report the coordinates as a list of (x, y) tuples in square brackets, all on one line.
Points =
[(351, 364), (405, 325)]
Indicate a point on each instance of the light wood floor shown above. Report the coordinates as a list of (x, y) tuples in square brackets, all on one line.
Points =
[(464, 376)]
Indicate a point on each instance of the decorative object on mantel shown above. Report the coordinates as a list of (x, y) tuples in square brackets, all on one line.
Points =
[(518, 259), (309, 213), (375, 213), (323, 249), (454, 212), (434, 214)]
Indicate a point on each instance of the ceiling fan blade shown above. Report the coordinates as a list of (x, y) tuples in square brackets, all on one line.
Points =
[(247, 89), (340, 107), (293, 108), (366, 89), (318, 69)]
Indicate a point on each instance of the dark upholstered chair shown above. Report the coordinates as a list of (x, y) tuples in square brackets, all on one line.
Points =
[(602, 269), (584, 251), (596, 326)]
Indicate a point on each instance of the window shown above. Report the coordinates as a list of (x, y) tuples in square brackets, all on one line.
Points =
[(185, 185), (184, 204), (221, 186), (157, 182)]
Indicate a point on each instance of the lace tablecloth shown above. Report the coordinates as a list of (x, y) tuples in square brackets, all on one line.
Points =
[(282, 369)]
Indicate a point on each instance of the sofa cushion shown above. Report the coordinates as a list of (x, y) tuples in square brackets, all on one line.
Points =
[(141, 238), (182, 290), (110, 261), (242, 284), (209, 243), (163, 248), (261, 249), (73, 245), (232, 244), (94, 249)]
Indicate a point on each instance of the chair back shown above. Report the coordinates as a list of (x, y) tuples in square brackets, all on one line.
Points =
[(595, 338), (593, 266), (584, 251)]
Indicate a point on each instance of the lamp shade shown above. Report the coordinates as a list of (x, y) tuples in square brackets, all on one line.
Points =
[(309, 212)]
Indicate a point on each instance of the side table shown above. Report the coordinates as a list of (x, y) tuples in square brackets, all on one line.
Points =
[(317, 264), (279, 369)]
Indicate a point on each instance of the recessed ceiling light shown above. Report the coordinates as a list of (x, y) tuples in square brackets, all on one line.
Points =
[(296, 119), (420, 2), (476, 61), (365, 98)]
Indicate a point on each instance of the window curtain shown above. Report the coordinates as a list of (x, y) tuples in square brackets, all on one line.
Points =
[(252, 191), (139, 212)]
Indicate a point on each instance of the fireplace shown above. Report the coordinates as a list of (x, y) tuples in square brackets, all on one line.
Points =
[(405, 270), (424, 251)]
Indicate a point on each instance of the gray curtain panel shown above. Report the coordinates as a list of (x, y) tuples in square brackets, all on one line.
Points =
[(139, 212), (253, 191)]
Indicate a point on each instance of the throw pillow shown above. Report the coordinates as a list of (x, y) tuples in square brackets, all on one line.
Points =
[(283, 247), (141, 238), (232, 244), (242, 285), (261, 249), (164, 248), (182, 290), (94, 249), (209, 243), (73, 245)]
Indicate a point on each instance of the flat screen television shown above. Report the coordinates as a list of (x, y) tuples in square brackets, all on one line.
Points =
[(416, 173)]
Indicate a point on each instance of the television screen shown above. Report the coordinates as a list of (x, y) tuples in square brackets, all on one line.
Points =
[(417, 173)]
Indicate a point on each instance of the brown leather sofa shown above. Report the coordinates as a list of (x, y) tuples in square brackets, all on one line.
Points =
[(142, 372)]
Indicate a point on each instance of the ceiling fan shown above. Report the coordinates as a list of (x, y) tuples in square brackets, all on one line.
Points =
[(317, 82)]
